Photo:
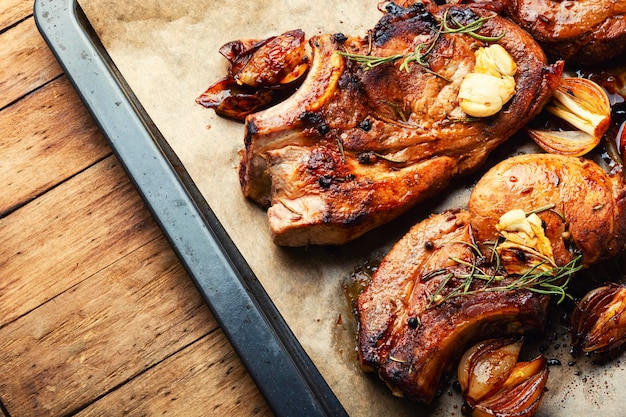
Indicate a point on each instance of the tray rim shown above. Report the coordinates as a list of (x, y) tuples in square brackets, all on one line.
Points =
[(284, 373)]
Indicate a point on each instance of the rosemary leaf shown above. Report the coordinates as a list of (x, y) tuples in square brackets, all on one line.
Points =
[(422, 50), (369, 61), (553, 282), (288, 207)]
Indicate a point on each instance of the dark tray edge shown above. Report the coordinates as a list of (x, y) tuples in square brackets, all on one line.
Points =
[(285, 375)]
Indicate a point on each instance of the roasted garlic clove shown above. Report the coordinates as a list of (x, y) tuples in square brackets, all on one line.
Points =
[(583, 104), (495, 384), (599, 319), (490, 85), (526, 230), (495, 61), (526, 246), (483, 95)]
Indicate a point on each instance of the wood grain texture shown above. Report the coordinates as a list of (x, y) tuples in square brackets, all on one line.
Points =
[(13, 11), (101, 333), (25, 62), (205, 379), (48, 126), (69, 234), (98, 315)]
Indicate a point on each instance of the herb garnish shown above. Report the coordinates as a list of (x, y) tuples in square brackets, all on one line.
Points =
[(423, 49), (288, 207), (553, 281)]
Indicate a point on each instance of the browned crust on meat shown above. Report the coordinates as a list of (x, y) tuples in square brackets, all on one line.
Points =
[(583, 32), (588, 206), (304, 158), (410, 358)]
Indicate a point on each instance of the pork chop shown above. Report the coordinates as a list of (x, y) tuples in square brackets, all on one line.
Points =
[(354, 148), (410, 333), (583, 209), (421, 310)]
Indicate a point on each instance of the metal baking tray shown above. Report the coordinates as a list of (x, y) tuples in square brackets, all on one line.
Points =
[(278, 364), (292, 375)]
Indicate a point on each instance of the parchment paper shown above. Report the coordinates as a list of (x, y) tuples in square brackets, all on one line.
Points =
[(167, 52)]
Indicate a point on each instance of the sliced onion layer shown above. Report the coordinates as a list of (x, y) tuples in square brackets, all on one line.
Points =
[(585, 106), (495, 384), (599, 321)]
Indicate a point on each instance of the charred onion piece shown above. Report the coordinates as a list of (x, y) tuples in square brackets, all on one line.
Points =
[(233, 101), (261, 74), (495, 384), (278, 60), (583, 104), (520, 395), (599, 322)]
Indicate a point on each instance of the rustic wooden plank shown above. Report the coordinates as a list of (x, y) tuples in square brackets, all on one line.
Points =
[(68, 234), (12, 11), (25, 62), (205, 379), (50, 126), (103, 332)]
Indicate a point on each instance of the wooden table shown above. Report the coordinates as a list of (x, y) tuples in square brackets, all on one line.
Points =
[(97, 315)]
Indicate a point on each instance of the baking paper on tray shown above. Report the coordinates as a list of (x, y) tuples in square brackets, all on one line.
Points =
[(168, 53)]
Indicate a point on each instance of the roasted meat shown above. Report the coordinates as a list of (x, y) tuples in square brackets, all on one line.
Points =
[(581, 31), (355, 147), (581, 206), (409, 333), (439, 289)]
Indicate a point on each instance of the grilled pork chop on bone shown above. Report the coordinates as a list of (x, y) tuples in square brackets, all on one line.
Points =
[(412, 328), (352, 148)]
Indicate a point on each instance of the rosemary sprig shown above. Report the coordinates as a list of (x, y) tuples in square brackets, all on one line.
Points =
[(388, 159), (341, 150), (554, 281), (551, 282), (369, 61), (422, 50), (470, 29), (549, 207)]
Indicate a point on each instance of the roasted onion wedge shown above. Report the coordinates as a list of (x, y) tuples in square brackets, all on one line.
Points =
[(599, 320), (261, 74), (278, 60), (234, 101), (585, 106), (486, 366), (520, 395), (495, 384)]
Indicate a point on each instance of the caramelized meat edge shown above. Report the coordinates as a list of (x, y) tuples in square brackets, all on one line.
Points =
[(353, 149)]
